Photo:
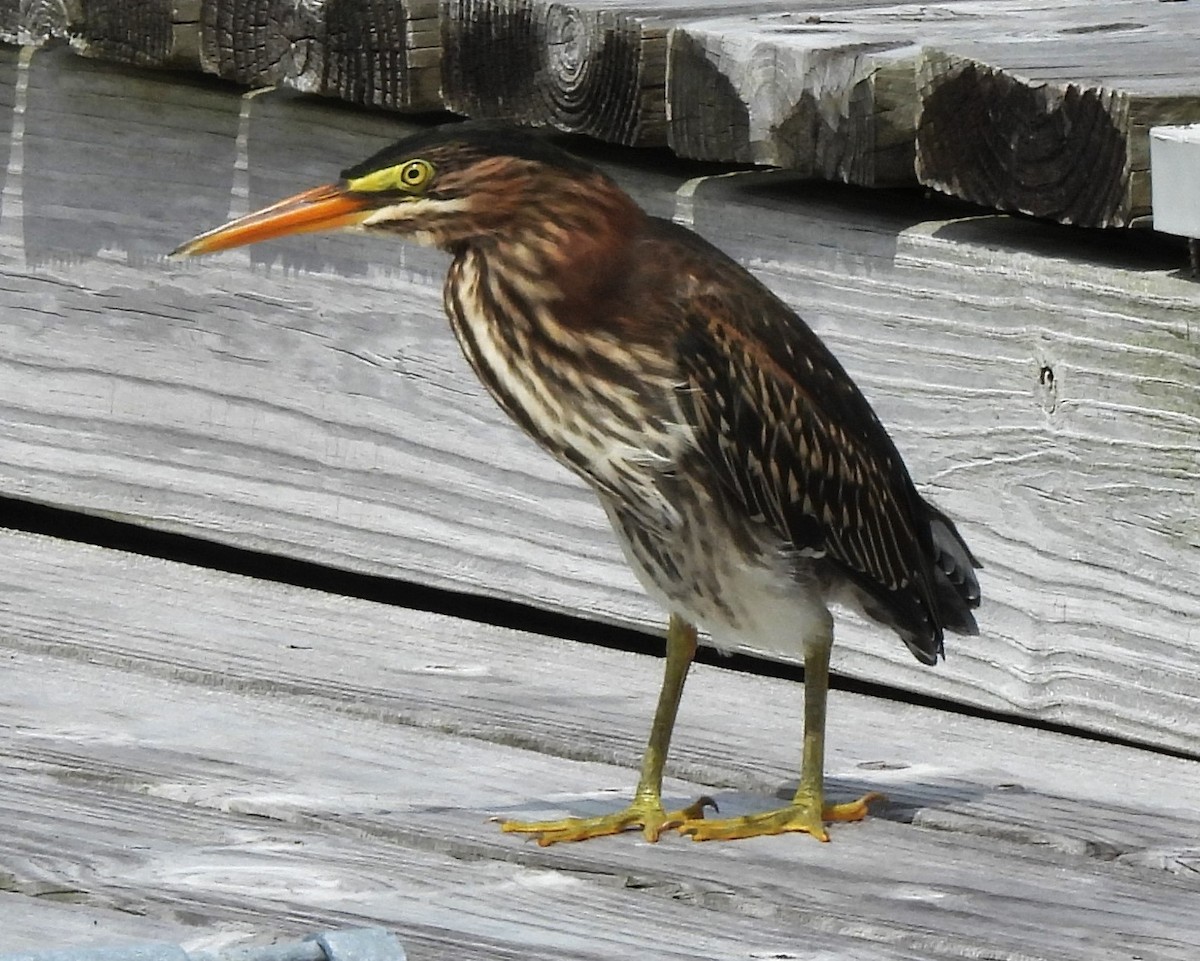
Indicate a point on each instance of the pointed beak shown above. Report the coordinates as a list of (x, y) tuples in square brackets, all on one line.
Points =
[(322, 208)]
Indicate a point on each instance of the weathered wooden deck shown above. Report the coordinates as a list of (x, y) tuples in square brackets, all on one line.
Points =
[(207, 758), (203, 756)]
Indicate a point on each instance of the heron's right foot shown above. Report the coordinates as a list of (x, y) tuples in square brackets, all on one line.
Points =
[(806, 814), (643, 812)]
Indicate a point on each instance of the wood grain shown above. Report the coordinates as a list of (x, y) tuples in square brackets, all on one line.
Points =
[(994, 101), (828, 91), (589, 68), (365, 52), (261, 43), (149, 33), (235, 759), (307, 399), (378, 53), (1077, 85), (594, 67)]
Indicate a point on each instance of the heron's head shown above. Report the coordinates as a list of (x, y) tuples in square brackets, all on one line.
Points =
[(451, 185)]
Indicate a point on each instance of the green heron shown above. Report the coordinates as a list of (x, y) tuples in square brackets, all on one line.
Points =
[(748, 480)]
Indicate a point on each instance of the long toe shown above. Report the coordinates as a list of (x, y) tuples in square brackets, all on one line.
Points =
[(578, 829), (647, 815), (852, 810), (807, 817)]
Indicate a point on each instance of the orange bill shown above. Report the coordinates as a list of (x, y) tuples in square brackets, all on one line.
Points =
[(322, 208)]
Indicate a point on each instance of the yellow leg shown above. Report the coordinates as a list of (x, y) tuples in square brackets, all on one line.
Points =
[(646, 810), (808, 811)]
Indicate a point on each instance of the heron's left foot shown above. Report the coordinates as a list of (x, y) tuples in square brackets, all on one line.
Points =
[(807, 815), (645, 813)]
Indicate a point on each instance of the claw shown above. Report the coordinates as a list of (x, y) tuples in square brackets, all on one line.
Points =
[(695, 810)]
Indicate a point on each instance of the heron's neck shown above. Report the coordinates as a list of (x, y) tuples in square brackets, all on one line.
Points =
[(569, 262)]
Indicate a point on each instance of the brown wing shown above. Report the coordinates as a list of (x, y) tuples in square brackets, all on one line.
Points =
[(792, 437)]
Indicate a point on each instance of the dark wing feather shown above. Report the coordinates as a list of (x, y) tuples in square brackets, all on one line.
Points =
[(792, 437)]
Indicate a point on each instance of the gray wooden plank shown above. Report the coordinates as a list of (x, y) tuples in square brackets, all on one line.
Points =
[(306, 398), (243, 757), (49, 915), (238, 877), (508, 688), (231, 877)]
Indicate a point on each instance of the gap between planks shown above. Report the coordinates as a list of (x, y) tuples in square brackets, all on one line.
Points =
[(495, 612)]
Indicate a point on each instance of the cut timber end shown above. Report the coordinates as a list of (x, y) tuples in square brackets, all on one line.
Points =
[(998, 140), (1174, 169), (1049, 113), (368, 52), (589, 71), (836, 103), (383, 54), (151, 33)]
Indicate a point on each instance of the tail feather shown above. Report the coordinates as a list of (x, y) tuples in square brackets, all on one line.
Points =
[(956, 588)]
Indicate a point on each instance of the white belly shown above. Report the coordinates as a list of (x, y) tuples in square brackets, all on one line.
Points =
[(762, 601)]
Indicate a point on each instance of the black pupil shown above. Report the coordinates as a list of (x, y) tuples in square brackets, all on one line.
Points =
[(414, 174)]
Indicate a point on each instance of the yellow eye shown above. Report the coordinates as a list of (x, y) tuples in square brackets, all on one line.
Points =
[(410, 176), (415, 174)]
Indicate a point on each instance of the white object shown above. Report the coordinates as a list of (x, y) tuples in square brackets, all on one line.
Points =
[(1175, 179)]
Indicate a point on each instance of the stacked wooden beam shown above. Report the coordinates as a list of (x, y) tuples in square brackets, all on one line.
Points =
[(1043, 109)]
